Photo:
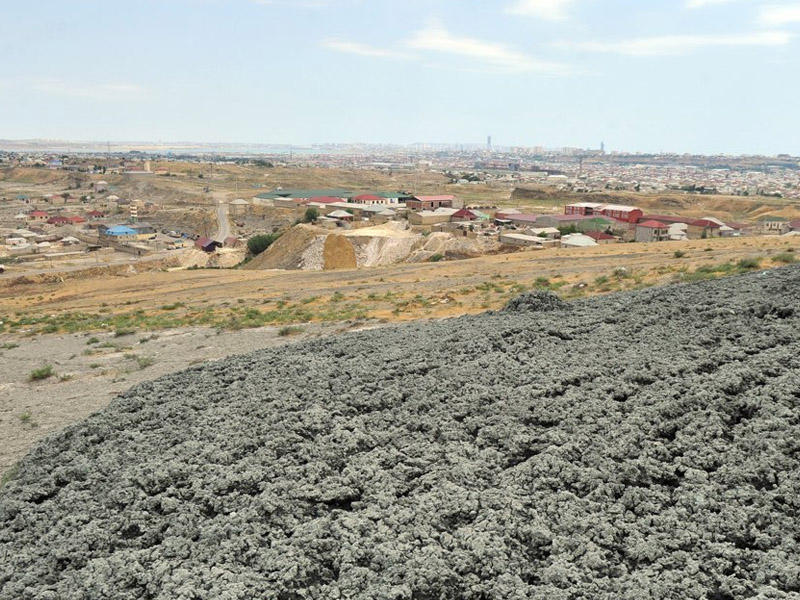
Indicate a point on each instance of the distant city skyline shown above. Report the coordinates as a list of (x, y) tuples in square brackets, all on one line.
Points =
[(55, 146), (675, 76)]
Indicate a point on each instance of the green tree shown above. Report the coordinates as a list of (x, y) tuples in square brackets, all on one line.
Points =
[(312, 214), (258, 243)]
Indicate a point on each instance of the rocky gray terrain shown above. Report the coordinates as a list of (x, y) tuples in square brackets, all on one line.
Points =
[(636, 446)]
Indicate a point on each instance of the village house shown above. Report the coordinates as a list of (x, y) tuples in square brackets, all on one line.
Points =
[(429, 203), (431, 217), (58, 220), (773, 225), (206, 244), (238, 206), (144, 231), (38, 215), (695, 228), (512, 238), (118, 233), (652, 231), (601, 237), (292, 198), (381, 198), (577, 240)]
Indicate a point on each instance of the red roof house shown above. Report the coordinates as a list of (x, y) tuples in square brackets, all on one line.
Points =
[(653, 224), (464, 215)]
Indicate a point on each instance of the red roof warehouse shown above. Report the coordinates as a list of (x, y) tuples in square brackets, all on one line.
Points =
[(628, 214)]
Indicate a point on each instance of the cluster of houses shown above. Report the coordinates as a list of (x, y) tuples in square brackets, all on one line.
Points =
[(581, 224)]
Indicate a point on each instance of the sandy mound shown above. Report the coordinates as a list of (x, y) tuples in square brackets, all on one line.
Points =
[(314, 249), (287, 251), (451, 247), (640, 446), (338, 253), (392, 229), (223, 258)]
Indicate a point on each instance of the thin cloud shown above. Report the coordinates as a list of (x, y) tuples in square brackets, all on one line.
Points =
[(776, 16), (549, 10), (706, 3), (295, 3), (91, 91), (363, 49), (683, 44), (436, 38)]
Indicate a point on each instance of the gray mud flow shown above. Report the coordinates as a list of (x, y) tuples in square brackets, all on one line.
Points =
[(635, 446)]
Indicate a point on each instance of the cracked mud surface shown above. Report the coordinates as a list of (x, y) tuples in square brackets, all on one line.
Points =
[(643, 445)]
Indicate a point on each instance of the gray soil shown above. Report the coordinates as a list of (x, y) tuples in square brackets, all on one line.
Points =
[(89, 370), (637, 446)]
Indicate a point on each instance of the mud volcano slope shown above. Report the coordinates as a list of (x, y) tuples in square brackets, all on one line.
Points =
[(636, 446)]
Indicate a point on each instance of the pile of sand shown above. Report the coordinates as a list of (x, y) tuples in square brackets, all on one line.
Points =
[(287, 252), (339, 253), (224, 258), (314, 249)]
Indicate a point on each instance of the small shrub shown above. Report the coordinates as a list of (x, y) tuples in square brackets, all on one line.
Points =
[(679, 254), (92, 340), (9, 346), (602, 280), (785, 257), (289, 330), (174, 306), (123, 332), (43, 373), (747, 264), (145, 361), (437, 257)]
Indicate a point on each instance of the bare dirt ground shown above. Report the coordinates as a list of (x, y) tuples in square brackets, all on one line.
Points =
[(90, 369), (147, 293)]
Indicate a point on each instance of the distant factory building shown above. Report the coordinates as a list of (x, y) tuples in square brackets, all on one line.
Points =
[(584, 209)]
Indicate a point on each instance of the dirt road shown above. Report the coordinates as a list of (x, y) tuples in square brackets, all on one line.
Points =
[(223, 223)]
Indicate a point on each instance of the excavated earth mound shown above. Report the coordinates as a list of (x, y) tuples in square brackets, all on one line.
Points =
[(643, 445), (338, 253)]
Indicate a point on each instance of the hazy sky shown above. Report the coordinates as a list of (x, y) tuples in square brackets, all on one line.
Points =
[(643, 75)]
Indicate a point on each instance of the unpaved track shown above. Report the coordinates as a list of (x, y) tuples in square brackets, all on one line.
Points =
[(642, 445)]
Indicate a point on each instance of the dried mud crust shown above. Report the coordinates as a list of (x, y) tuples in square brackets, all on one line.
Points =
[(642, 445)]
